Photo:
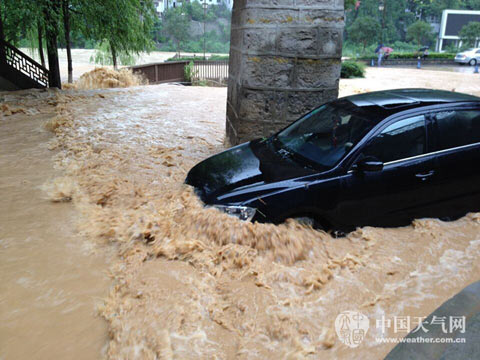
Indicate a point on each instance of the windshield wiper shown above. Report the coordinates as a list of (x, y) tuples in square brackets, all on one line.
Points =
[(286, 153)]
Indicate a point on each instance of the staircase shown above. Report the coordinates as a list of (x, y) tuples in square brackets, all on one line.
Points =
[(19, 71)]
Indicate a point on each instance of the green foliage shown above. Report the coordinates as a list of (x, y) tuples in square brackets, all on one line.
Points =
[(470, 33), (200, 83), (420, 32), (415, 55), (349, 4), (103, 56), (365, 30), (397, 15), (176, 25), (20, 19), (404, 47), (190, 72), (352, 69), (194, 10), (176, 29), (125, 25)]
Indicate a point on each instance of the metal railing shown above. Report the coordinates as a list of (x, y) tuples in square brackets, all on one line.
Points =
[(215, 70), (25, 64)]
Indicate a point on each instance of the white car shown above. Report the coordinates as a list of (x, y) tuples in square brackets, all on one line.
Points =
[(470, 57)]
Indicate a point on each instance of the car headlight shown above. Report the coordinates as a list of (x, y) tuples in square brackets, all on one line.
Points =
[(244, 213)]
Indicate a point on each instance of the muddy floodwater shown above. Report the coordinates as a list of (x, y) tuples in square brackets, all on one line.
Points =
[(92, 185), (49, 277)]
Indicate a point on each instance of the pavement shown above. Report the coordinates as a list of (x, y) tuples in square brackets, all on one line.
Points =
[(466, 303)]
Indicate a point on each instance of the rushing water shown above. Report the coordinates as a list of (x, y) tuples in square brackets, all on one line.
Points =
[(187, 282), (49, 280)]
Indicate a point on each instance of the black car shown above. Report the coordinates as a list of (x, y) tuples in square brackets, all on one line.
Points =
[(379, 159)]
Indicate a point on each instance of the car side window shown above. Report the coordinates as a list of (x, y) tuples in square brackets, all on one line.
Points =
[(401, 140), (457, 128)]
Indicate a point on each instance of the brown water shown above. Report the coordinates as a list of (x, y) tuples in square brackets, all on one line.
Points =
[(50, 280), (194, 283)]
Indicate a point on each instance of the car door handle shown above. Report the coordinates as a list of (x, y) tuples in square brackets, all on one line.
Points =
[(425, 176)]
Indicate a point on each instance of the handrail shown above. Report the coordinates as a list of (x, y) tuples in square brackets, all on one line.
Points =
[(158, 63), (24, 63), (24, 55)]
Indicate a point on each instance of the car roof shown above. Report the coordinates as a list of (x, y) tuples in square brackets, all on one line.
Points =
[(381, 104)]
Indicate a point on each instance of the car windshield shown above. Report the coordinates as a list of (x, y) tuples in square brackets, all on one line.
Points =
[(326, 135)]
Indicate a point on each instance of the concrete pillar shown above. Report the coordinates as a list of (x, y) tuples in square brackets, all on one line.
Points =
[(285, 59)]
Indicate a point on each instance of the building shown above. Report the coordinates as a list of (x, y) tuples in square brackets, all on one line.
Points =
[(452, 22)]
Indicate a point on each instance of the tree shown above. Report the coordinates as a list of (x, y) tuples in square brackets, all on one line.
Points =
[(40, 42), (470, 33), (51, 12), (365, 30), (420, 32), (350, 4), (177, 25), (66, 32), (2, 38), (126, 25), (33, 19), (194, 10)]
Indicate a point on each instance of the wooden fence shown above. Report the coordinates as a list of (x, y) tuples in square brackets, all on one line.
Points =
[(168, 72), (162, 72)]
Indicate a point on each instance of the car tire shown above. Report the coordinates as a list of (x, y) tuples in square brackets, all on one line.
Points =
[(305, 220), (472, 62), (312, 222)]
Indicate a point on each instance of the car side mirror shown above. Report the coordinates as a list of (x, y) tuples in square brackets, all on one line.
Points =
[(369, 164)]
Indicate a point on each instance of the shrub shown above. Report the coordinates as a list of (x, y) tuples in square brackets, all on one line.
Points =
[(413, 55), (190, 72), (352, 69), (401, 47)]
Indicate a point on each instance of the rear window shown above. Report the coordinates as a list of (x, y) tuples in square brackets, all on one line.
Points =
[(457, 128)]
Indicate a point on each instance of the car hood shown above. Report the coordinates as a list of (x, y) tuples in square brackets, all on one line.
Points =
[(249, 165)]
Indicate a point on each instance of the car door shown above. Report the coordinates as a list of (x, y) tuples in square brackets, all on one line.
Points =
[(399, 192), (457, 146)]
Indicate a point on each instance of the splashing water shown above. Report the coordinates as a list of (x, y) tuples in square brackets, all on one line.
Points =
[(191, 282), (104, 78)]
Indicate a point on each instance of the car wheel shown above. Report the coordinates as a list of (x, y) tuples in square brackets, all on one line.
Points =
[(306, 221), (473, 62), (310, 221)]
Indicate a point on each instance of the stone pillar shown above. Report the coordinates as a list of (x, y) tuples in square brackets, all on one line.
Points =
[(285, 59)]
